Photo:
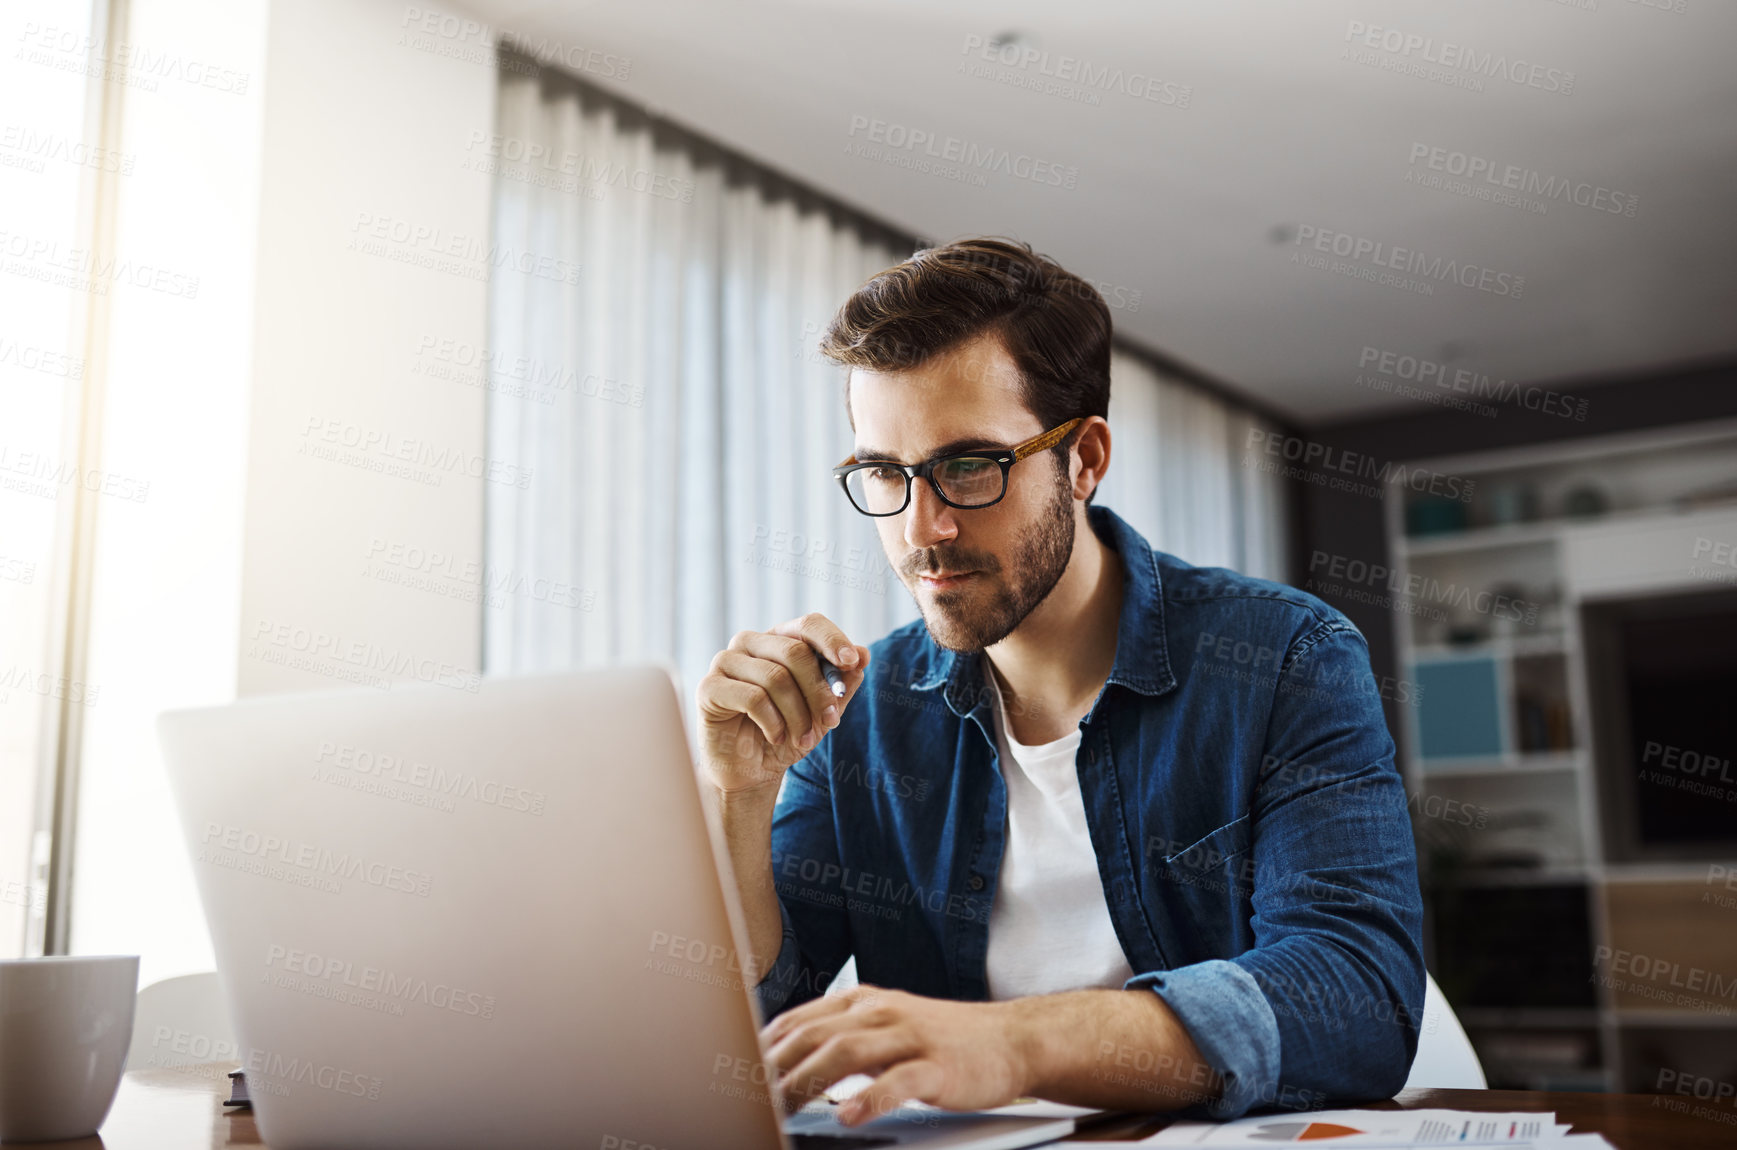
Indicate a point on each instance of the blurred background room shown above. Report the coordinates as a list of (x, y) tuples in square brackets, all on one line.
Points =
[(364, 342)]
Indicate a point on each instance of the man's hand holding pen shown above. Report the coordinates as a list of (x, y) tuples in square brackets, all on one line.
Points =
[(770, 696)]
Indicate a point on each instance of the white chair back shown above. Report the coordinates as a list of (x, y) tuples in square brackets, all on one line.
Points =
[(1445, 1058), (181, 1022)]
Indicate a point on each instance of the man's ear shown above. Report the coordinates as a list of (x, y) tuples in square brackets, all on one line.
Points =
[(1092, 449)]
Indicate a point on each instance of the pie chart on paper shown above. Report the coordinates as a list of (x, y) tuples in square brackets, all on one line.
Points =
[(1301, 1131)]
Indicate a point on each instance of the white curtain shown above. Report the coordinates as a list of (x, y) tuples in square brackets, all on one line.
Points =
[(678, 427), (1177, 474)]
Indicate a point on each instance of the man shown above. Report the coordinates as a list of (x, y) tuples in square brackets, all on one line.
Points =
[(1104, 828)]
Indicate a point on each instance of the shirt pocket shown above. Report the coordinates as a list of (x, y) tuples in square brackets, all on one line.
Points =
[(1229, 840), (1206, 890)]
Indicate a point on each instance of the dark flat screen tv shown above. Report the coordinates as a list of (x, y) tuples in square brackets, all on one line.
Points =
[(1662, 674)]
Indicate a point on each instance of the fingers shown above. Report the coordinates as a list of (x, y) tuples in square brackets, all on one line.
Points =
[(851, 659), (798, 659), (827, 638), (851, 1049), (786, 696), (919, 1080), (730, 696), (854, 677), (804, 1038), (835, 1036), (775, 1031), (778, 685)]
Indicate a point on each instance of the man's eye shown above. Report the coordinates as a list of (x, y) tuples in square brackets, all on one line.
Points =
[(885, 475), (967, 468)]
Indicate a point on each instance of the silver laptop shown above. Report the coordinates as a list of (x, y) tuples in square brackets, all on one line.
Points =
[(459, 919)]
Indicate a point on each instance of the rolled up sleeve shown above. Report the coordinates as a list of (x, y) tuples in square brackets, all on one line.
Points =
[(1232, 1025)]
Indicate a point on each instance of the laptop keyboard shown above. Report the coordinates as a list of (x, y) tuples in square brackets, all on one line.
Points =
[(838, 1141)]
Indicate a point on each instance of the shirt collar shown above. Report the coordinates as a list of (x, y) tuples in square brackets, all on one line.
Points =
[(1142, 653)]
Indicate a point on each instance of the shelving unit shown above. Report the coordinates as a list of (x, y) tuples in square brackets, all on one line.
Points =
[(1503, 727)]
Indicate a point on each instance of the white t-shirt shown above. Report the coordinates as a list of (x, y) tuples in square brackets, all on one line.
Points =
[(1049, 927)]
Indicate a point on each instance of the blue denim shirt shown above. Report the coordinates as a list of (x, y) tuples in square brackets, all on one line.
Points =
[(1250, 827)]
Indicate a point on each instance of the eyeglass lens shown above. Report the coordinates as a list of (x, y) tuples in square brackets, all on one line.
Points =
[(966, 481)]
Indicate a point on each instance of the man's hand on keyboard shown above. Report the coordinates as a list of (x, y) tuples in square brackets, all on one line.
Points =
[(956, 1055), (1108, 1049)]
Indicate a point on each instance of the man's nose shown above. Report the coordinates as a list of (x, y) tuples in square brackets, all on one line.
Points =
[(928, 521)]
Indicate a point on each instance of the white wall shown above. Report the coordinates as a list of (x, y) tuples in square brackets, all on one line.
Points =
[(165, 581), (373, 242), (257, 190), (41, 361)]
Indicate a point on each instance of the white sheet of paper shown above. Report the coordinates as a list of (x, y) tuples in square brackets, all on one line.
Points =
[(1562, 1142), (1372, 1128)]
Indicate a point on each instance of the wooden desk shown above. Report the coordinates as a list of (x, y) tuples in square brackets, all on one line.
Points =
[(182, 1109)]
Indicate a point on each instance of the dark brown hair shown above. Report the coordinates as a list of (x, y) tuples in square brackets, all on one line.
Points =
[(1054, 324)]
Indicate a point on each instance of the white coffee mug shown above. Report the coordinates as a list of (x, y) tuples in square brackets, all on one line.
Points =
[(65, 1024)]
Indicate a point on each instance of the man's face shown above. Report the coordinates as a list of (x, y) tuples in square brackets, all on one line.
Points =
[(975, 573)]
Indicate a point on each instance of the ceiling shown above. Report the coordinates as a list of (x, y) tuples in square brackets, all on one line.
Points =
[(1307, 126)]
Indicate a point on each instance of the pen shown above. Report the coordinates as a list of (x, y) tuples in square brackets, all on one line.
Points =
[(833, 678)]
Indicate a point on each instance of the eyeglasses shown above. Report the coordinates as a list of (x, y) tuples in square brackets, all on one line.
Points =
[(967, 480)]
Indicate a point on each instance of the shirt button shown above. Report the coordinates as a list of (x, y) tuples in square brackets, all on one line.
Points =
[(976, 882)]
